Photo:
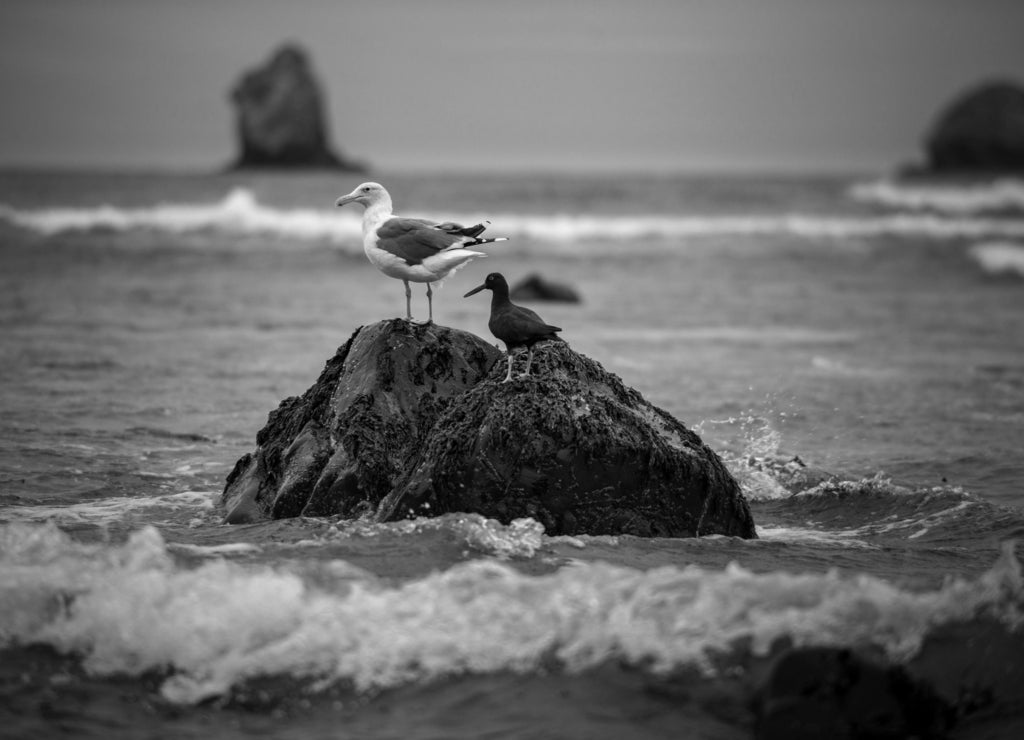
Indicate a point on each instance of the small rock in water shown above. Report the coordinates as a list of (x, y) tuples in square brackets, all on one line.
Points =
[(821, 692), (536, 288)]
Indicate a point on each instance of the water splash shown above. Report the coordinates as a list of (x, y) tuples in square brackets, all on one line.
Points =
[(998, 195), (999, 258), (130, 609)]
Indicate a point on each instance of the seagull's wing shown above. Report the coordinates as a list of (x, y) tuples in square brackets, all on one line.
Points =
[(414, 239)]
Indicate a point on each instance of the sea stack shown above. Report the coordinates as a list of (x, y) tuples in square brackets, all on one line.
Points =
[(280, 116), (979, 133), (411, 420)]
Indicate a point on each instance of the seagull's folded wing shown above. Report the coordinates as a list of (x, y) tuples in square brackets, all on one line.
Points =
[(414, 239)]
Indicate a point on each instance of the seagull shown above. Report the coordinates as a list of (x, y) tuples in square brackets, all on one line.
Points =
[(514, 325), (413, 249)]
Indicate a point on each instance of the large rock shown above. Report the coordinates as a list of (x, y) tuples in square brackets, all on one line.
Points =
[(279, 110), (980, 132), (410, 420)]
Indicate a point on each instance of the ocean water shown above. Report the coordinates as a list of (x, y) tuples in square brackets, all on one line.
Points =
[(853, 347)]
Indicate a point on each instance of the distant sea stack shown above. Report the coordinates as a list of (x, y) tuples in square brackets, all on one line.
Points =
[(979, 133), (412, 420), (281, 123)]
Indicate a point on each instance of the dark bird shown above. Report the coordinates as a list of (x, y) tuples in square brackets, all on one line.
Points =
[(514, 325)]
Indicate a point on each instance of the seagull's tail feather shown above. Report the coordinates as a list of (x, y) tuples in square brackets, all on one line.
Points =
[(450, 227), (478, 242)]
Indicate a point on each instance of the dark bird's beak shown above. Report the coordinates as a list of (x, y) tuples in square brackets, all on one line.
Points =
[(475, 290)]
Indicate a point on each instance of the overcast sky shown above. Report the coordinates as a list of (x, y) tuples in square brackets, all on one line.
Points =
[(524, 84)]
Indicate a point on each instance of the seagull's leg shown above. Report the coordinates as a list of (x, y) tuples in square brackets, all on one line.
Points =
[(508, 375), (408, 301), (430, 305), (529, 361)]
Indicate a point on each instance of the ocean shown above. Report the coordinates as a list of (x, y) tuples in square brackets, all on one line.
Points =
[(852, 346)]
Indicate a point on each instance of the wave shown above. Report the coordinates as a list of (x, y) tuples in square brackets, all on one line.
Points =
[(999, 258), (1000, 195), (239, 213), (132, 609)]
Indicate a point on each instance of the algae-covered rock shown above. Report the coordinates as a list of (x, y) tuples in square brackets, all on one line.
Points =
[(574, 448), (413, 420), (341, 446)]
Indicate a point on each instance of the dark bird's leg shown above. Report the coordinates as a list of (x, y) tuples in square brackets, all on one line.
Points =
[(529, 361), (408, 301), (508, 375), (430, 305)]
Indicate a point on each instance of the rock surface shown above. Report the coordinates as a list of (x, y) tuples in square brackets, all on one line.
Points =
[(537, 288), (280, 116), (409, 420), (343, 445), (981, 132)]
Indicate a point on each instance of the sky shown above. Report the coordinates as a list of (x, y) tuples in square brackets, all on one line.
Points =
[(460, 85)]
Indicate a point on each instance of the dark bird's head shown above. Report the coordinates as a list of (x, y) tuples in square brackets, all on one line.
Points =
[(495, 281)]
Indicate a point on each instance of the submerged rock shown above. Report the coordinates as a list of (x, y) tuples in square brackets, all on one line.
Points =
[(825, 692), (409, 420), (981, 132), (280, 116), (534, 287)]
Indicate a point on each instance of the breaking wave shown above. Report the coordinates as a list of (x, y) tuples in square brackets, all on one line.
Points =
[(133, 609), (239, 213), (999, 258), (1000, 195)]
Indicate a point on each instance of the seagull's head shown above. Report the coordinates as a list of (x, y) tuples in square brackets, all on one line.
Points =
[(495, 281), (367, 194)]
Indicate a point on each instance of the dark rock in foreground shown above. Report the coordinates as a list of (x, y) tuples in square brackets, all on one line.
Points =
[(280, 116), (823, 692), (410, 420), (982, 132), (536, 288)]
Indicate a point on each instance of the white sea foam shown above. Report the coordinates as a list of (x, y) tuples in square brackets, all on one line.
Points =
[(130, 609), (999, 258), (999, 195), (239, 213), (521, 538), (120, 509)]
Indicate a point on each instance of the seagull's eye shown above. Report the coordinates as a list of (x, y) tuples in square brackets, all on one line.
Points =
[(366, 190)]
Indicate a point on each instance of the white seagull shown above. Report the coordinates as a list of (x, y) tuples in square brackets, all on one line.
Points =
[(412, 249)]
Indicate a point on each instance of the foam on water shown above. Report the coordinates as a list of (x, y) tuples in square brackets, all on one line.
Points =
[(119, 509), (521, 538), (239, 213), (999, 258), (131, 609), (998, 195)]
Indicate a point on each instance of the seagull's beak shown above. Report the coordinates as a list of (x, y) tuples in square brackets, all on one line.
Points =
[(475, 290), (345, 199)]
